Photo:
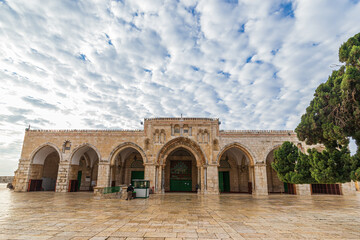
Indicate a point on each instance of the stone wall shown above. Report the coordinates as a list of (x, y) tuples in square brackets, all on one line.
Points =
[(6, 179), (160, 136)]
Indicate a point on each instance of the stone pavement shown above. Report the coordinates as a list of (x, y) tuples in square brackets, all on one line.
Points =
[(49, 215)]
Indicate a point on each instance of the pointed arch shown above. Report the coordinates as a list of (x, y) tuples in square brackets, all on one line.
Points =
[(239, 146), (77, 152), (123, 146), (271, 149), (39, 155), (183, 142)]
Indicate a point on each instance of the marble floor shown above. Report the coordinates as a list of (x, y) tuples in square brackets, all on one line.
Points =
[(48, 215)]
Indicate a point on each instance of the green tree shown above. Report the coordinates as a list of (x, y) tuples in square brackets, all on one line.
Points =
[(333, 116), (330, 166), (302, 173), (291, 165), (284, 161), (355, 167)]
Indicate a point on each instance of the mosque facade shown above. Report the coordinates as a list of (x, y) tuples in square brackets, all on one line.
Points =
[(174, 154)]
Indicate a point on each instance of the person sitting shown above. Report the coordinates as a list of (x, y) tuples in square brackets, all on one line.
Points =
[(129, 191)]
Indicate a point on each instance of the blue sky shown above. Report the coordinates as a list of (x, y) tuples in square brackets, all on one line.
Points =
[(109, 64)]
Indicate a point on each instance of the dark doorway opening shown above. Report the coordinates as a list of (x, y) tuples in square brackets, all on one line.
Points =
[(224, 181)]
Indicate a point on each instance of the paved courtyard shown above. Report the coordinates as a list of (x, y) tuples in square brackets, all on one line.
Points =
[(48, 215)]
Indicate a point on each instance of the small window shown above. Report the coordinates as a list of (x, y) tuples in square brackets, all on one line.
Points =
[(177, 130), (186, 130)]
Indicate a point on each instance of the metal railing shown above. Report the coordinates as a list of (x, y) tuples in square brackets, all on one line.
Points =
[(112, 190)]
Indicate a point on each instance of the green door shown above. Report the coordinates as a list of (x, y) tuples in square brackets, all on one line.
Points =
[(224, 181), (286, 190), (226, 176), (221, 182), (79, 180), (180, 185), (180, 176), (136, 175)]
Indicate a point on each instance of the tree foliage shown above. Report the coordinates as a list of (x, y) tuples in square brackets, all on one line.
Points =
[(333, 117), (328, 166), (291, 165), (284, 161)]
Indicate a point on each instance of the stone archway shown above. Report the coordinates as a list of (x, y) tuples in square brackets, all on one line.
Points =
[(185, 145), (123, 146), (44, 166), (181, 173), (84, 168), (235, 169), (126, 164), (273, 182)]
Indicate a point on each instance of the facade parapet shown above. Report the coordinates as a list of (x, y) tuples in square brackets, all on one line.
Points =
[(180, 119), (86, 130), (291, 132)]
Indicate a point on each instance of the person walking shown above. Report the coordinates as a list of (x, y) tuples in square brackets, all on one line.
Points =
[(129, 191)]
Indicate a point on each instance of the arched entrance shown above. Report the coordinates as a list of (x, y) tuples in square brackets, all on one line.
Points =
[(44, 169), (181, 172), (235, 171), (181, 166), (274, 183), (126, 165), (83, 169)]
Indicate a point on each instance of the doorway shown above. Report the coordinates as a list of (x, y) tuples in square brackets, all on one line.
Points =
[(224, 181)]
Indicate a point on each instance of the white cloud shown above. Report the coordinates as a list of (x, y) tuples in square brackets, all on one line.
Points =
[(108, 64)]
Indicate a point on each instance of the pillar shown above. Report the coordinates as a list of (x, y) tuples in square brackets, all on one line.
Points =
[(103, 174), (62, 181), (212, 179), (202, 180), (261, 187), (251, 178), (22, 176), (159, 179), (348, 189), (150, 171), (163, 180), (303, 189)]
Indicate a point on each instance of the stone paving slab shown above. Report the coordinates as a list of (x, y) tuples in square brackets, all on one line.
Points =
[(49, 215)]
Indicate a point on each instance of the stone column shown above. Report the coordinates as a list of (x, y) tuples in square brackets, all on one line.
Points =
[(303, 189), (150, 171), (159, 179), (163, 180), (22, 176), (348, 189), (261, 187), (212, 179), (62, 182), (202, 180), (251, 178), (103, 174)]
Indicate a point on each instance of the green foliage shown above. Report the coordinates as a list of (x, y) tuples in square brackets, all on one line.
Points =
[(333, 117), (355, 166), (330, 166), (334, 114), (302, 170), (284, 161), (291, 165)]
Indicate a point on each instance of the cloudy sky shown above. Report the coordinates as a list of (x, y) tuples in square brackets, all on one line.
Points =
[(108, 64)]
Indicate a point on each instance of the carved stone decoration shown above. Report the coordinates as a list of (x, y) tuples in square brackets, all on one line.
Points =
[(187, 143), (66, 146), (147, 144), (216, 145)]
